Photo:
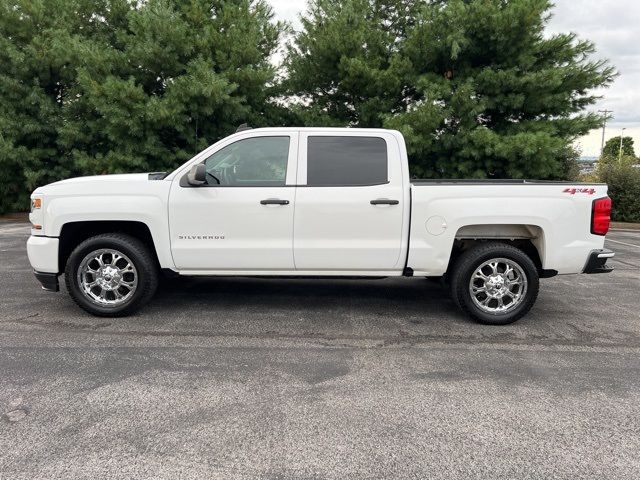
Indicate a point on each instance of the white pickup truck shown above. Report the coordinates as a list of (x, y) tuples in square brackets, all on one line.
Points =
[(314, 202)]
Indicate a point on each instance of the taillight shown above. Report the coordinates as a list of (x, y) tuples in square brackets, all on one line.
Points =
[(600, 216)]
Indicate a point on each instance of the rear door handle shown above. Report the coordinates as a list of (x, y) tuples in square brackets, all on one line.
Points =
[(274, 201), (384, 201)]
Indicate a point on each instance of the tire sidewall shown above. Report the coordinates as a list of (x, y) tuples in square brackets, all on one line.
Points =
[(97, 243), (529, 270)]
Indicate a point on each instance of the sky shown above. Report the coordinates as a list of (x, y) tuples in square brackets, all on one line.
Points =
[(614, 27)]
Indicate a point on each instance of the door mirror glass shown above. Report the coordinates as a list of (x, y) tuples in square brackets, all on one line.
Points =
[(197, 175)]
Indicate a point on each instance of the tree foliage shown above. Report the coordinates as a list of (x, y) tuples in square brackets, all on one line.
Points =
[(102, 86), (475, 86), (612, 147), (346, 63), (623, 180)]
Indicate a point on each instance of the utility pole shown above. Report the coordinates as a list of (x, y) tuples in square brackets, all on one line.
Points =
[(605, 113), (620, 151)]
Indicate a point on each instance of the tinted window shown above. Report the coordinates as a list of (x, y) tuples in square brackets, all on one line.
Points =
[(252, 162), (342, 161)]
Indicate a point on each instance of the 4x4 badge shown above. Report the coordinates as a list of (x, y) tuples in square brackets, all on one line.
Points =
[(573, 191)]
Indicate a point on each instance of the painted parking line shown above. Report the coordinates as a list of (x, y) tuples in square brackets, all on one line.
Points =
[(623, 243)]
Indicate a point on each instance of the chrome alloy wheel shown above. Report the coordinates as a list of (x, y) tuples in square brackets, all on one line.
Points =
[(107, 277), (498, 286)]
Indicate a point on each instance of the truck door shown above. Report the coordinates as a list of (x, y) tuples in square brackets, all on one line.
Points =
[(242, 218), (349, 202)]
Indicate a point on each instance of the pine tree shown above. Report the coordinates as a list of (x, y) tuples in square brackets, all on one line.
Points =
[(114, 86), (475, 86), (497, 98), (345, 65)]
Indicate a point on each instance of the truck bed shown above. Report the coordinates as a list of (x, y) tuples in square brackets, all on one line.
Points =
[(555, 217)]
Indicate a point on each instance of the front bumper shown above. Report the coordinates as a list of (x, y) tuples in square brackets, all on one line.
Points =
[(49, 281), (43, 257), (43, 253), (597, 261)]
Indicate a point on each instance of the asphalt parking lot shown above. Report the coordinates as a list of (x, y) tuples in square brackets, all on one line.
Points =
[(314, 379)]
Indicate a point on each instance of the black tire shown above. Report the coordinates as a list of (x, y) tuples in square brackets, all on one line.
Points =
[(466, 266), (142, 259)]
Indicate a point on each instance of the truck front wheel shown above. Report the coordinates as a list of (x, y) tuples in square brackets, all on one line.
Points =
[(111, 275), (494, 283)]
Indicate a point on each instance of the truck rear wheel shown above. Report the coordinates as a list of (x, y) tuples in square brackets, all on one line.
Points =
[(111, 275), (494, 283)]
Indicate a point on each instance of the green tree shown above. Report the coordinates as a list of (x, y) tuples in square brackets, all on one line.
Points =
[(497, 97), (109, 86), (345, 64), (612, 147), (475, 86)]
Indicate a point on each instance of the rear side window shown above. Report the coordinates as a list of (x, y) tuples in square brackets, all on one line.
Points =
[(346, 161)]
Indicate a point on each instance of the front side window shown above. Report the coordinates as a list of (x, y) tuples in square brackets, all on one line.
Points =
[(252, 162), (346, 161)]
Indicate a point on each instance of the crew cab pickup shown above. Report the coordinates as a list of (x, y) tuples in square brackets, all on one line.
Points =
[(314, 202)]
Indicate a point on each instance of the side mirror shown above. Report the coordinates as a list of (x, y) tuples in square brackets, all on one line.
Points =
[(197, 175)]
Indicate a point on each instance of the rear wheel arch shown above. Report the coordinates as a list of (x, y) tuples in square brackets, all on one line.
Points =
[(530, 239)]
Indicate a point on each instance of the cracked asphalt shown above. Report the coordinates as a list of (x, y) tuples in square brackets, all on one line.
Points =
[(320, 379)]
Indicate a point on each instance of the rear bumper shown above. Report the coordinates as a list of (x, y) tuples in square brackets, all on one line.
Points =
[(49, 281), (597, 261)]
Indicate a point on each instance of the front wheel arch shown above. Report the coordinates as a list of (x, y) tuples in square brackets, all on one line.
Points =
[(73, 234)]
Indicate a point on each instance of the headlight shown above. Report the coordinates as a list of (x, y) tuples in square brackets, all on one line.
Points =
[(36, 215)]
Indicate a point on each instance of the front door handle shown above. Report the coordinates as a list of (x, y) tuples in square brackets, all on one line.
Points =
[(384, 201), (274, 201)]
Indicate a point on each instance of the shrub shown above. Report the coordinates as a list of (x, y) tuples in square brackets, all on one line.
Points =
[(624, 189)]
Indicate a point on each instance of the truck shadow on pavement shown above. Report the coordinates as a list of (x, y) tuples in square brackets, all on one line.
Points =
[(393, 296)]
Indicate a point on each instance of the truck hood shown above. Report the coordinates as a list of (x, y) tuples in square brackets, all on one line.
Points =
[(96, 183), (123, 177)]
